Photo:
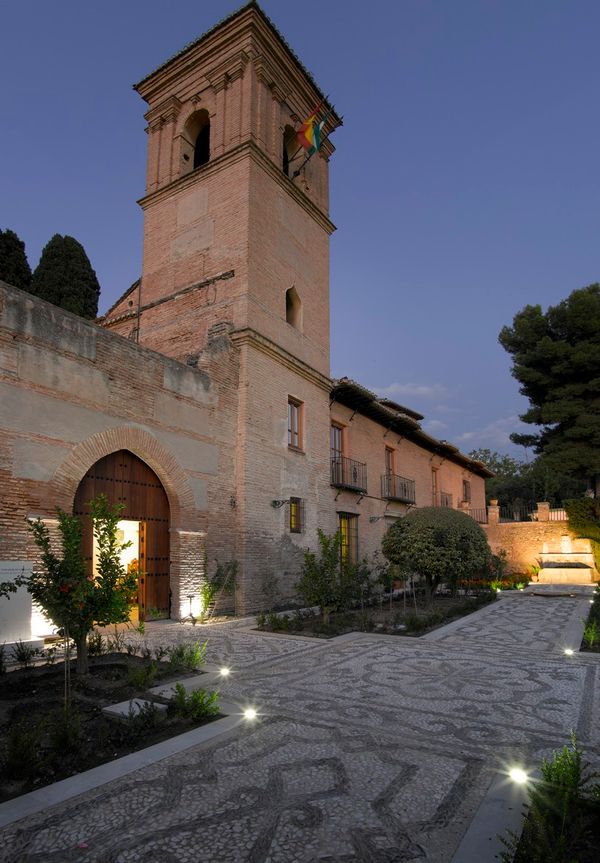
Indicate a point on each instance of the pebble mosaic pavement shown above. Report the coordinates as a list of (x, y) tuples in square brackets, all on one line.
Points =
[(369, 749)]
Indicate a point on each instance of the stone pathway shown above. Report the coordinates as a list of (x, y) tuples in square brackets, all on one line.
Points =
[(369, 748)]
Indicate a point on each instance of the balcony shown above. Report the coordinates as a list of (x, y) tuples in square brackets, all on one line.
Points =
[(397, 488), (347, 473)]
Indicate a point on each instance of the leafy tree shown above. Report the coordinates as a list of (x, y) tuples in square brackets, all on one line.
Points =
[(438, 543), (14, 267), (556, 359), (7, 587), (64, 277), (516, 482), (71, 599)]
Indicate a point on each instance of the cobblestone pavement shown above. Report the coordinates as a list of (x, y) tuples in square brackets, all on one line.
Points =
[(369, 749)]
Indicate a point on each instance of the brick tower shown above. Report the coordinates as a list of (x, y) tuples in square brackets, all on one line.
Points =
[(235, 276)]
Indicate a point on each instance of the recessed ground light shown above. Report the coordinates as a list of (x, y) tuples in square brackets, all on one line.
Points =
[(225, 672), (250, 713), (518, 775), (569, 651)]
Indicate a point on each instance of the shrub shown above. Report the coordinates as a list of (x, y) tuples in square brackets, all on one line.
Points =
[(328, 582), (187, 655), (143, 677), (562, 809), (24, 653), (440, 544), (196, 705), (23, 753)]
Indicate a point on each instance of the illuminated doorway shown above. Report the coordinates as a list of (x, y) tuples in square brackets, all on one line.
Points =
[(127, 480)]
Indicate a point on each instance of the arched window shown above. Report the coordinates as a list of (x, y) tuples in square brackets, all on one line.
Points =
[(293, 308), (195, 141), (289, 148), (202, 148)]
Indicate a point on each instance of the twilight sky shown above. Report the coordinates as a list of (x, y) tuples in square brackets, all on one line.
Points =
[(464, 186)]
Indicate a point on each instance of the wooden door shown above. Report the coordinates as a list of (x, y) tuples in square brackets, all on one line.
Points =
[(127, 480)]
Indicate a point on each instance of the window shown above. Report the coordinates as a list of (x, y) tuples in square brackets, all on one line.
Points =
[(434, 487), (293, 308), (349, 538), (389, 461), (294, 424), (466, 490), (202, 146), (336, 442), (290, 149), (195, 141), (296, 515), (337, 464)]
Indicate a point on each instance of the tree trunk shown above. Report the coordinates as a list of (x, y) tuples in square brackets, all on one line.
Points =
[(82, 654)]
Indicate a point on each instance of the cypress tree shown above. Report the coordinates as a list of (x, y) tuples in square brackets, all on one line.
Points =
[(64, 276), (14, 267)]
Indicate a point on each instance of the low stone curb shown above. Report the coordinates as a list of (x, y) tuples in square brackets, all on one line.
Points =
[(51, 795)]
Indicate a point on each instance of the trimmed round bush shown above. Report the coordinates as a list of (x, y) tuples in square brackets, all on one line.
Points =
[(438, 543)]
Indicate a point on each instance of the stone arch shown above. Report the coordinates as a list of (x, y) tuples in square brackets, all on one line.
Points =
[(144, 445), (195, 141)]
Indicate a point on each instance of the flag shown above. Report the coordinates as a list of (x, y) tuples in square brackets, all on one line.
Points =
[(309, 134)]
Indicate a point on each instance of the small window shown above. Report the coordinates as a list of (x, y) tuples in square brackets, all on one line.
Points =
[(466, 490), (294, 424), (296, 515), (348, 538), (293, 308)]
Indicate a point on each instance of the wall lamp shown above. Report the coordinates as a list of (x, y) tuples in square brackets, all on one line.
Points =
[(277, 504)]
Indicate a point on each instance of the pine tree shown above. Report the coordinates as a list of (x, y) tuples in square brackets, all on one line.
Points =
[(556, 359), (14, 267), (64, 276)]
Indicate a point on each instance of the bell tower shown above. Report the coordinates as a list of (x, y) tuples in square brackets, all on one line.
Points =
[(232, 231)]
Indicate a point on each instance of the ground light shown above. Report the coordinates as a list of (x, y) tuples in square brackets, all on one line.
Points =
[(568, 651), (518, 775), (250, 713), (225, 672)]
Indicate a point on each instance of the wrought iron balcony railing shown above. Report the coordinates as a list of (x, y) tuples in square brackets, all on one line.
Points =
[(347, 473), (397, 488)]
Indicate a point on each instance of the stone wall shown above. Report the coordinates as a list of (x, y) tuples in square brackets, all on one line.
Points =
[(526, 541)]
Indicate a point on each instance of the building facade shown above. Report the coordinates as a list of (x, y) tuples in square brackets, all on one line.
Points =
[(213, 369)]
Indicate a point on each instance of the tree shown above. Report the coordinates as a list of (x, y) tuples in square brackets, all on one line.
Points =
[(73, 600), (556, 359), (14, 267), (64, 277), (438, 543), (518, 482), (328, 582)]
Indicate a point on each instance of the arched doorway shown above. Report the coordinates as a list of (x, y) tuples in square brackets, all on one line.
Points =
[(126, 479)]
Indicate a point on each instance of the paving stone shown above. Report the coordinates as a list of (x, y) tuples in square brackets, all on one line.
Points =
[(367, 750)]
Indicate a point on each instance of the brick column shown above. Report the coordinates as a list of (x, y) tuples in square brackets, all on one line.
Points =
[(493, 513), (543, 511)]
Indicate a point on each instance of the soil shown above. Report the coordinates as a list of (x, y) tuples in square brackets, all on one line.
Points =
[(399, 619), (38, 747)]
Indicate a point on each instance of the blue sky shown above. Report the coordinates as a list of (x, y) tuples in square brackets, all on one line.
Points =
[(464, 186)]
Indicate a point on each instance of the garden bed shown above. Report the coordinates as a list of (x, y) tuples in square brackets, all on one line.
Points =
[(399, 618), (40, 743)]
